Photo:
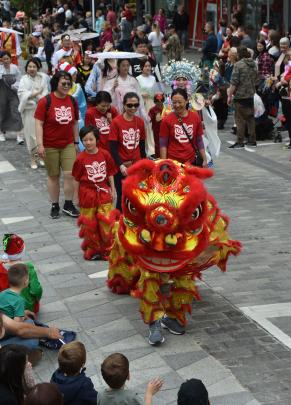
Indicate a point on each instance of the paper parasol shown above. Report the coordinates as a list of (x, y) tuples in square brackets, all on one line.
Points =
[(10, 31), (70, 32), (117, 55), (88, 35)]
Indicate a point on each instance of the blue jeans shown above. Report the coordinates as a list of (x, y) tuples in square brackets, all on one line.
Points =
[(32, 343)]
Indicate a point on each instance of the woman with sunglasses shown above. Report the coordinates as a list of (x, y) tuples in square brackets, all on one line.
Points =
[(126, 140), (56, 120)]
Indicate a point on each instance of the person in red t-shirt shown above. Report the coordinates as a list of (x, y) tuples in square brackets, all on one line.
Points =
[(155, 114), (174, 143), (126, 140), (101, 117), (93, 170), (56, 123)]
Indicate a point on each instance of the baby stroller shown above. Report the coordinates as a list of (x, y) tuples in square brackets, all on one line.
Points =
[(265, 127)]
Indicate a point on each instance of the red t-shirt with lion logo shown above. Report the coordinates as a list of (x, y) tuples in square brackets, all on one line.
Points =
[(173, 135), (58, 121)]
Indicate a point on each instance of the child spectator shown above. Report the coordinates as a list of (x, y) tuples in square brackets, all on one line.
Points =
[(93, 170), (193, 392), (11, 303), (115, 371), (70, 377), (100, 116), (44, 394), (155, 114), (14, 248)]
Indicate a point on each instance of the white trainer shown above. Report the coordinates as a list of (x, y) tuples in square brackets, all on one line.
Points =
[(2, 137)]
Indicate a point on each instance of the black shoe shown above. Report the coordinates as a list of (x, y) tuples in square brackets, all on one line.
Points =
[(237, 146), (55, 211), (252, 144), (70, 209)]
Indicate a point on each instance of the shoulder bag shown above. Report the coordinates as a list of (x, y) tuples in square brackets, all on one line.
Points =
[(198, 160)]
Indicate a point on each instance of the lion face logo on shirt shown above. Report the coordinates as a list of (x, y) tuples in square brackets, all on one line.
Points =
[(63, 115), (180, 133), (96, 172), (130, 138), (103, 125)]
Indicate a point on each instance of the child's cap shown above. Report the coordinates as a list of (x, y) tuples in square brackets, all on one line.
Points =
[(13, 246), (193, 390), (159, 97)]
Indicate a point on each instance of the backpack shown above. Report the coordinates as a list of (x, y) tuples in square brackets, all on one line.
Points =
[(49, 103)]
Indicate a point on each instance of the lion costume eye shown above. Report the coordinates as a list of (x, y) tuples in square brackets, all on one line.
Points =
[(130, 207), (196, 214)]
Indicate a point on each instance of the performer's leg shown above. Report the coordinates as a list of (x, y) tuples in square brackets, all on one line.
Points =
[(87, 223), (183, 292)]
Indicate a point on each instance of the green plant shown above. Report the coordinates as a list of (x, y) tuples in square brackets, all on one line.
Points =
[(28, 6)]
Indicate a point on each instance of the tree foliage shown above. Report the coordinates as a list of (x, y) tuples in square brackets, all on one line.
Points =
[(29, 6)]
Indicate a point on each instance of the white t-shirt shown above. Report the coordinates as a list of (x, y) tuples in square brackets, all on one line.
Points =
[(154, 39)]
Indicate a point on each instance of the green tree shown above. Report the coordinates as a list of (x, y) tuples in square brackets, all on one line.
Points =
[(29, 6)]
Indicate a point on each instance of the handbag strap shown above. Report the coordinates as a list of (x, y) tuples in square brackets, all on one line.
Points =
[(187, 134)]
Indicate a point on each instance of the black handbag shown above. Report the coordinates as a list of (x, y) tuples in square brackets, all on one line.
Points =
[(198, 160)]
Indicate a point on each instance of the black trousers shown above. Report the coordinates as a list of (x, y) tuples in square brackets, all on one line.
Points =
[(118, 187)]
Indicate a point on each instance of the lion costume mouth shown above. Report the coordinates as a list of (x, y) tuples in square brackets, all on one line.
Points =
[(162, 264)]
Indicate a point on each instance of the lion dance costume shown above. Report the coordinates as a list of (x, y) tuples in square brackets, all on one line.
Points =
[(171, 229)]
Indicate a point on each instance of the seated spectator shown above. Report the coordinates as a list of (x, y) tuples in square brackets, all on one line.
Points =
[(24, 333), (115, 371), (70, 377), (13, 362), (14, 248), (193, 392), (44, 394), (11, 303)]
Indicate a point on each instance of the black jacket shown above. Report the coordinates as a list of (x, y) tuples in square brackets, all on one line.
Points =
[(77, 390), (6, 396), (181, 21)]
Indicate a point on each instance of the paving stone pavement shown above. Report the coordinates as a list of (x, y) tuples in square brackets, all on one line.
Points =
[(239, 361)]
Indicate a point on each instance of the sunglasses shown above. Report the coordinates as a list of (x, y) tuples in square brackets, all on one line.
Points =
[(66, 84), (132, 105)]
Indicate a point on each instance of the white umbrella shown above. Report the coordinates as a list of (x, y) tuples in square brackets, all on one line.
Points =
[(117, 55), (88, 35), (70, 32), (10, 31)]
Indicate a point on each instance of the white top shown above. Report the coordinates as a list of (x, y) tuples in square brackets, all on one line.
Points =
[(13, 70), (147, 84), (68, 14), (58, 55), (154, 39)]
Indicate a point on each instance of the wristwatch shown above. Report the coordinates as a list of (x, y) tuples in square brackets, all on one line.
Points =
[(76, 143)]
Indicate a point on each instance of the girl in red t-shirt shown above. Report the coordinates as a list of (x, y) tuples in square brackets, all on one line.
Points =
[(126, 140), (93, 171), (101, 116)]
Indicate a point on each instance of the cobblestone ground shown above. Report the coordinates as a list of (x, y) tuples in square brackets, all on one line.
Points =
[(238, 337)]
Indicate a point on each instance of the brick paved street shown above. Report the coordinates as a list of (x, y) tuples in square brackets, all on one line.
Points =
[(239, 336), (239, 361)]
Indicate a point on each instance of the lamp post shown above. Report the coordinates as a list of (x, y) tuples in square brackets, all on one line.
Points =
[(93, 15)]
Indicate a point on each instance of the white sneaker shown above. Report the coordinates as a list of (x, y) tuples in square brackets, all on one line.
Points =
[(2, 137), (19, 140), (33, 163)]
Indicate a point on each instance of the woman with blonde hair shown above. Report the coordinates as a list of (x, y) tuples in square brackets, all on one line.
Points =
[(156, 37)]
